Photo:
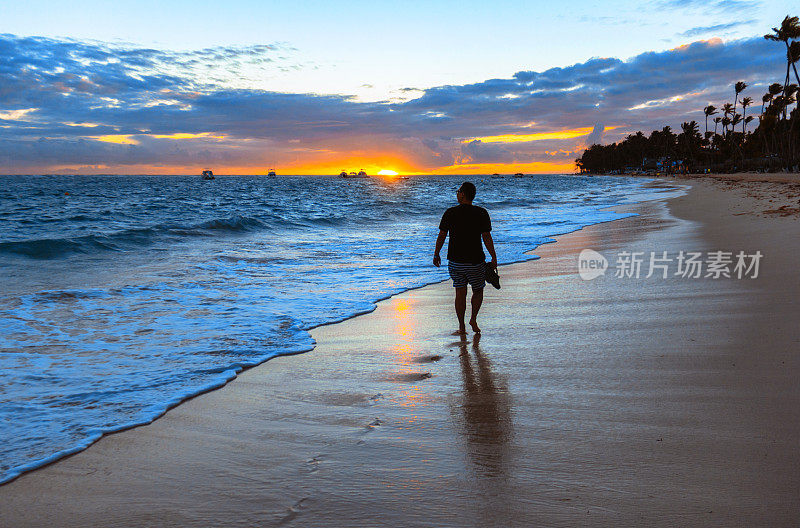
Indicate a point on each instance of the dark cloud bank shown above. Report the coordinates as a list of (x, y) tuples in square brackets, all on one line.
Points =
[(146, 92)]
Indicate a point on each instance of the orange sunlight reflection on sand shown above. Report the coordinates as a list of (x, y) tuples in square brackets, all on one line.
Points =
[(404, 351)]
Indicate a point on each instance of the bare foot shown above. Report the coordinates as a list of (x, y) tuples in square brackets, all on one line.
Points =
[(460, 332), (474, 325)]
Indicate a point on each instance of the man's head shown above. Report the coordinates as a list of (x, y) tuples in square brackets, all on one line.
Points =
[(466, 193)]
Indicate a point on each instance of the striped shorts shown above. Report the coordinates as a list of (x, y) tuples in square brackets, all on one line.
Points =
[(467, 273)]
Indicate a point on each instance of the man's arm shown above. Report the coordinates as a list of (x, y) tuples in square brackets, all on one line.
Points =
[(489, 243), (437, 260)]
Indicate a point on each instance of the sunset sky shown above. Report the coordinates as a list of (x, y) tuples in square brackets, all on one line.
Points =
[(316, 87)]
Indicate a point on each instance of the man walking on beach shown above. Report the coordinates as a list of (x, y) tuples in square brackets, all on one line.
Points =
[(467, 225)]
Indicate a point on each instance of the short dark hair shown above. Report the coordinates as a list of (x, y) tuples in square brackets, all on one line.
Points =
[(469, 190)]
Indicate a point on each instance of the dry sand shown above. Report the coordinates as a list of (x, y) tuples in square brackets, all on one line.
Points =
[(612, 402), (776, 177)]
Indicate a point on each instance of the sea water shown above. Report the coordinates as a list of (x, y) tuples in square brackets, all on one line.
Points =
[(121, 296)]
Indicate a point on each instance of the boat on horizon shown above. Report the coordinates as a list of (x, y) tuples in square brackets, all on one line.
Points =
[(271, 172), (207, 174), (353, 174)]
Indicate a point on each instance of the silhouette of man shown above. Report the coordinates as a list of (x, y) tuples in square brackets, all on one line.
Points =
[(467, 225)]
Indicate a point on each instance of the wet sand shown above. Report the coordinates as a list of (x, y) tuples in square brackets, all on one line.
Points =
[(611, 402)]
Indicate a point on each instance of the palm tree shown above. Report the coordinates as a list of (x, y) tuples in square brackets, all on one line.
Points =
[(744, 125), (781, 103), (768, 124), (789, 30), (668, 140), (690, 134), (727, 109), (791, 90), (739, 88), (773, 144), (725, 122), (745, 103), (776, 89), (793, 55), (764, 100), (709, 111), (791, 96)]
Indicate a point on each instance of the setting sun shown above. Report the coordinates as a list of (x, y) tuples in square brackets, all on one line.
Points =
[(387, 172)]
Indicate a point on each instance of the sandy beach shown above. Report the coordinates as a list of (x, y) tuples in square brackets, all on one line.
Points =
[(618, 401)]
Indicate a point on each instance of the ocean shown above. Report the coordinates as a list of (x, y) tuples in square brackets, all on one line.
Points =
[(121, 296)]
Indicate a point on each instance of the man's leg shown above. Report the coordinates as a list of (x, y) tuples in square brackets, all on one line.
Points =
[(477, 300), (461, 307)]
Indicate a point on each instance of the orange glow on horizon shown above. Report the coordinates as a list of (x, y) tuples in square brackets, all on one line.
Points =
[(186, 135), (309, 170), (328, 163), (535, 167), (539, 136), (386, 159), (119, 139), (133, 139)]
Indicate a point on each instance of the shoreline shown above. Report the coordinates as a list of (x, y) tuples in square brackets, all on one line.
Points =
[(767, 177), (377, 420), (233, 371)]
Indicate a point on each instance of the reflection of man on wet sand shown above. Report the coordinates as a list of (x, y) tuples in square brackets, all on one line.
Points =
[(467, 225), (487, 429), (486, 409)]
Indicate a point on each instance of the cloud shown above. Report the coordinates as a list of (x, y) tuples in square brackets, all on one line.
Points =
[(73, 67), (712, 6), (596, 137), (478, 152), (716, 28), (64, 103)]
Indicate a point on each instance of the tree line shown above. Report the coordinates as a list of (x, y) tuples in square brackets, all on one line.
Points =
[(732, 144)]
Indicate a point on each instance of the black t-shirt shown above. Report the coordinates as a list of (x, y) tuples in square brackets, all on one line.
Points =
[(465, 223)]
